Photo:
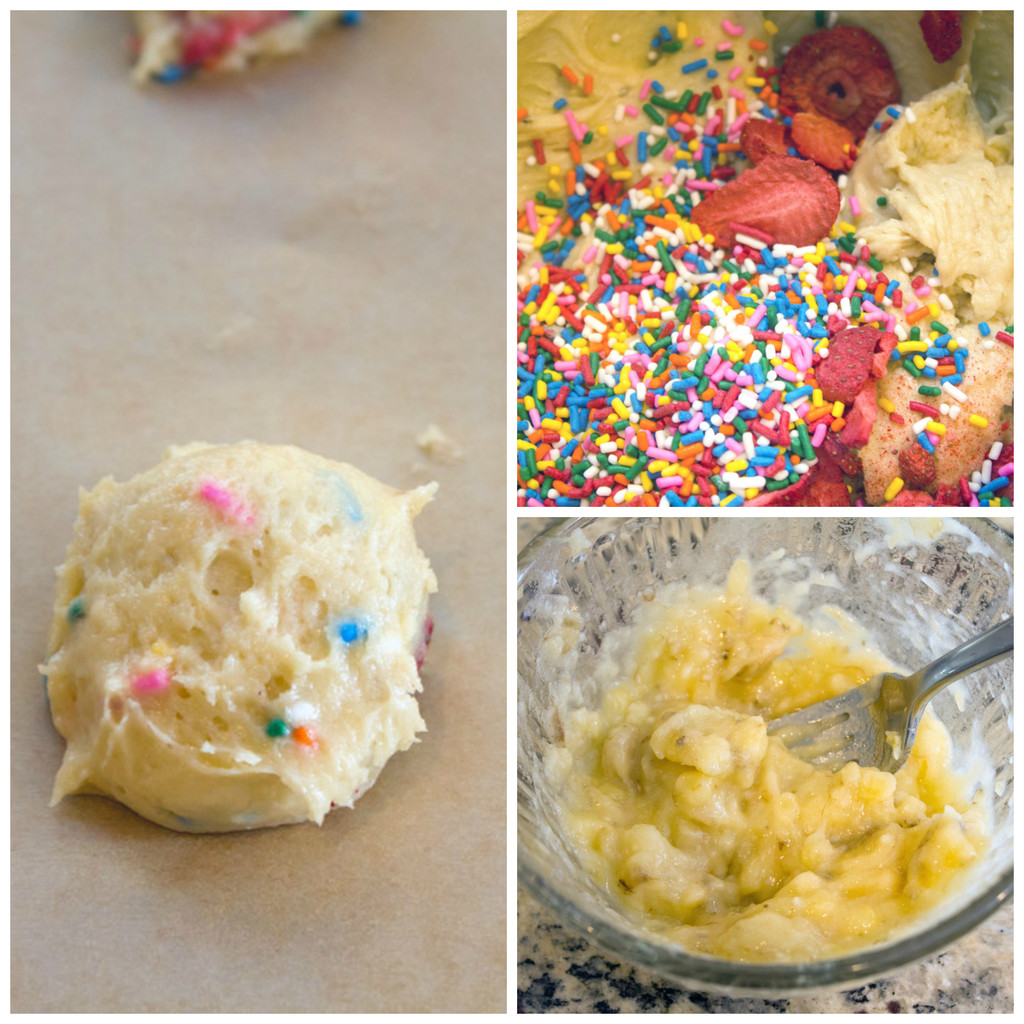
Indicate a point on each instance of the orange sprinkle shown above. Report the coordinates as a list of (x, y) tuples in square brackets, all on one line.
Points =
[(568, 73), (879, 292), (919, 314), (648, 500), (574, 151), (728, 147), (522, 113), (641, 440), (816, 414), (838, 425), (306, 737), (757, 44), (690, 451), (588, 84)]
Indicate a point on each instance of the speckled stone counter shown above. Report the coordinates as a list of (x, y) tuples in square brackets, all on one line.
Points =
[(561, 972)]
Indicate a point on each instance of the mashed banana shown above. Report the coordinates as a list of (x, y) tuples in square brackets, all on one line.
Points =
[(682, 806)]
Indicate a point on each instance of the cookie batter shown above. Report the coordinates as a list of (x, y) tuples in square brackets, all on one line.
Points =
[(237, 636), (682, 807)]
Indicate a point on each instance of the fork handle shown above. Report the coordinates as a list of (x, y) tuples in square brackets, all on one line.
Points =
[(991, 646)]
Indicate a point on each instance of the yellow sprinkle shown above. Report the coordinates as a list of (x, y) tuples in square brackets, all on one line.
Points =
[(528, 403), (614, 248), (847, 229), (756, 83), (817, 398), (620, 408), (884, 403), (977, 421), (624, 175), (626, 460), (680, 30), (937, 428), (919, 362), (893, 489), (736, 466), (541, 237), (646, 481), (911, 346), (770, 27), (542, 390), (554, 187), (839, 407)]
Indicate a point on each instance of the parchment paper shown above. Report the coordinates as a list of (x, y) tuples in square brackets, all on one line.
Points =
[(313, 253)]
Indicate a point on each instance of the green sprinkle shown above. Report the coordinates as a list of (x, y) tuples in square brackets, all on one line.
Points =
[(702, 104), (882, 201), (588, 138), (672, 47), (928, 389), (725, 55), (652, 112), (76, 610), (908, 365), (936, 326), (659, 146), (276, 728), (915, 333)]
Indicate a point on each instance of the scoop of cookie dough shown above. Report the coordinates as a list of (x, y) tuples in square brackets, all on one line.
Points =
[(236, 637)]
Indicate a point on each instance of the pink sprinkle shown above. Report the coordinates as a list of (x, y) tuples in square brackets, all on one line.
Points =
[(222, 499), (662, 453), (530, 209), (922, 291), (631, 111), (534, 417), (624, 141), (665, 482), (711, 128), (734, 446), (1006, 470), (722, 47), (564, 367), (737, 94), (818, 437), (574, 126), (534, 502), (730, 29), (645, 89), (734, 74), (699, 41), (590, 254), (855, 208), (152, 682)]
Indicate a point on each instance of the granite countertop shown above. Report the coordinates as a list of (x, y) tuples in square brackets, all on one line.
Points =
[(559, 971)]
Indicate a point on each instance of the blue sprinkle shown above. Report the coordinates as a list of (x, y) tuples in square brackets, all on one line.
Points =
[(984, 328), (350, 631), (172, 73), (350, 17), (665, 34), (697, 65), (995, 485), (712, 73)]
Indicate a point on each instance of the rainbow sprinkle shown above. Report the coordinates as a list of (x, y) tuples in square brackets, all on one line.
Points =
[(654, 368)]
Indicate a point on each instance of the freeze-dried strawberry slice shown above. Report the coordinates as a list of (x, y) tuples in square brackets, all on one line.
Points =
[(844, 372), (843, 73), (760, 137), (942, 32), (792, 200), (917, 467), (822, 140), (1005, 457)]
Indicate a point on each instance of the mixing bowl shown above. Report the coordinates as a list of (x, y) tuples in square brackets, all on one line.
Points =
[(919, 586)]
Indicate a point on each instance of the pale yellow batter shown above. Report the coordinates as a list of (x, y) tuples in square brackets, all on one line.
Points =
[(235, 637), (682, 807)]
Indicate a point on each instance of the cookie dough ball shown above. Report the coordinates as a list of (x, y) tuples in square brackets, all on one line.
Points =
[(236, 637)]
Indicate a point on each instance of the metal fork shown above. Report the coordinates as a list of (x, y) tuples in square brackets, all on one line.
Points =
[(875, 724)]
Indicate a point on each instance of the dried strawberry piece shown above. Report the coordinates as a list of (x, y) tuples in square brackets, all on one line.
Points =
[(843, 73), (917, 467), (880, 363), (793, 200), (908, 499), (823, 140), (210, 37), (943, 33), (861, 416), (761, 137), (847, 458), (948, 494), (843, 374)]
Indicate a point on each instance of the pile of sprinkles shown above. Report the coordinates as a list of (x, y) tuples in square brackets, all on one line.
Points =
[(654, 368)]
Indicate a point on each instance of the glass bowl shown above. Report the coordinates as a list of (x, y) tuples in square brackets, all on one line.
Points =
[(920, 586)]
